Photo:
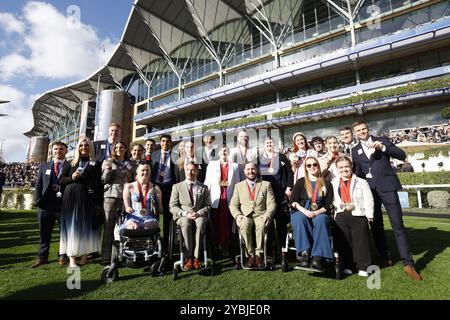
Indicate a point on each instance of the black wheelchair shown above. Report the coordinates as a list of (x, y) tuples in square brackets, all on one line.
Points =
[(177, 258), (135, 249), (334, 265)]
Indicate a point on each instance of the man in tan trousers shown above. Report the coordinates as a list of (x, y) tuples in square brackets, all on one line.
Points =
[(253, 204), (190, 203)]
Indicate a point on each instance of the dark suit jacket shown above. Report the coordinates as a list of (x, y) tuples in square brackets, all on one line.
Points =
[(156, 157), (384, 176), (44, 196), (300, 195), (100, 154)]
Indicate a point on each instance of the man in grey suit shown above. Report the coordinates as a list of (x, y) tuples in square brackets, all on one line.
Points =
[(190, 203)]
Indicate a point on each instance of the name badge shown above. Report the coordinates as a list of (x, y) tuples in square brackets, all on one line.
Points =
[(103, 146), (360, 151), (92, 163), (128, 167), (47, 173), (261, 195), (369, 176)]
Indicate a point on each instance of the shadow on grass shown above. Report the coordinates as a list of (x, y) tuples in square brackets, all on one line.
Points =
[(430, 242), (6, 259)]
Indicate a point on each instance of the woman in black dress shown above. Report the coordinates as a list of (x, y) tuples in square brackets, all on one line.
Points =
[(82, 201)]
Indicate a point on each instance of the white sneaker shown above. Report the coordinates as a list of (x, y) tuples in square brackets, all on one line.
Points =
[(347, 271), (362, 273)]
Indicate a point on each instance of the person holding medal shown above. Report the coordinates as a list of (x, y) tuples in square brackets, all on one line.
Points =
[(312, 201), (82, 199), (353, 203), (221, 177), (142, 200), (253, 205), (371, 161), (48, 199), (327, 161), (300, 150), (116, 172)]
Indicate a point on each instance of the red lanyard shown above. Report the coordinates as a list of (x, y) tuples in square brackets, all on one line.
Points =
[(143, 198), (270, 162), (314, 194), (345, 190), (251, 194)]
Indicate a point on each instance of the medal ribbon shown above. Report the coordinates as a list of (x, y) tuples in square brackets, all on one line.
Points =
[(250, 193), (345, 190), (314, 194), (143, 197)]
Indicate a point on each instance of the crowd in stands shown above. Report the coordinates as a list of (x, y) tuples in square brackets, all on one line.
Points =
[(431, 134), (20, 174)]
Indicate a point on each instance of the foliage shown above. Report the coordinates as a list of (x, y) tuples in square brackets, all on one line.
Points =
[(418, 178), (445, 113), (236, 123), (444, 150), (438, 199), (15, 198)]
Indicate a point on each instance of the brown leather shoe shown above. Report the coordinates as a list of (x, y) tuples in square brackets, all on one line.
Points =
[(250, 262), (197, 264), (39, 262), (62, 261), (259, 262), (412, 273), (387, 263), (189, 265)]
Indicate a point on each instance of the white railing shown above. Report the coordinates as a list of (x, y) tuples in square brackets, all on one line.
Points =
[(424, 186)]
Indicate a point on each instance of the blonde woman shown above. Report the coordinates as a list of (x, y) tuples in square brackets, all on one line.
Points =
[(327, 161), (312, 200), (82, 201)]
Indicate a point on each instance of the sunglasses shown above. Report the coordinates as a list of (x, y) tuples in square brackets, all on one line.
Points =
[(309, 165)]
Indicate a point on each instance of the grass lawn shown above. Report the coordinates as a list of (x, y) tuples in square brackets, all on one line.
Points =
[(19, 237)]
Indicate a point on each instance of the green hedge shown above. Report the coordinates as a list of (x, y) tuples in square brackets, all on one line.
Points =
[(236, 123), (445, 113), (410, 88), (415, 178)]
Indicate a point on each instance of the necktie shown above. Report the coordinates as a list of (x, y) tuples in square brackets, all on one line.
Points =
[(191, 192), (147, 157), (347, 150), (56, 168), (162, 167)]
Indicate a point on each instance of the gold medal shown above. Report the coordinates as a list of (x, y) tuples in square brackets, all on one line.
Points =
[(271, 170), (223, 183), (314, 206), (162, 173), (143, 212), (252, 204)]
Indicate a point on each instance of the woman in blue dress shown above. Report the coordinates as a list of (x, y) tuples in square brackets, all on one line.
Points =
[(142, 200), (82, 201)]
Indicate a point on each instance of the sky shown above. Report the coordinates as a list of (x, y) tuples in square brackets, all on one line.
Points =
[(46, 45)]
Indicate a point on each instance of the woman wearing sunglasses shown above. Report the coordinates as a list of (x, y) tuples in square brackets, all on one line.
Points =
[(312, 200)]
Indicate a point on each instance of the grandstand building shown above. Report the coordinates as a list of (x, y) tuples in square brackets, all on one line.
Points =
[(293, 65)]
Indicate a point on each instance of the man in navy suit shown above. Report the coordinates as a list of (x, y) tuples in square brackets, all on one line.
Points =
[(163, 174), (48, 199), (104, 148), (371, 161)]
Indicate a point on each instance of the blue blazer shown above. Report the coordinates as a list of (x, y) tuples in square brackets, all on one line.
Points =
[(384, 178), (156, 158), (44, 195), (100, 154)]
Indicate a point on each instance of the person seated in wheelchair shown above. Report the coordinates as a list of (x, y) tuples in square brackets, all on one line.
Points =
[(354, 206), (190, 203), (312, 199), (253, 204), (142, 200)]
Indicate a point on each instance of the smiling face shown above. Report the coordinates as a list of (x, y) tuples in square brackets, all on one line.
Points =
[(136, 153), (346, 136), (143, 173), (189, 149), (345, 168), (268, 145), (166, 144), (113, 133), (149, 146), (362, 131), (120, 150), (190, 171), (251, 171), (332, 145), (312, 167), (300, 142), (243, 138), (59, 152), (84, 149)]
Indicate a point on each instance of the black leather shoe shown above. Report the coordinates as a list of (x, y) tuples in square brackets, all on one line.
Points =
[(304, 260), (316, 263)]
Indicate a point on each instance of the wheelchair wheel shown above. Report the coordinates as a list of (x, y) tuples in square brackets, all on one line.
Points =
[(284, 264), (154, 268), (338, 271), (238, 263), (109, 276), (175, 273)]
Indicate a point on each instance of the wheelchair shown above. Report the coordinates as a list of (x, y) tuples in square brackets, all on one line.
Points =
[(269, 263), (334, 264), (135, 249), (176, 239)]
